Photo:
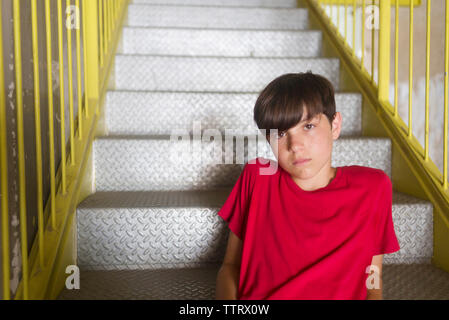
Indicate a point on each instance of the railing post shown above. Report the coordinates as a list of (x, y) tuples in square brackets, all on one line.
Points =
[(384, 50), (91, 51)]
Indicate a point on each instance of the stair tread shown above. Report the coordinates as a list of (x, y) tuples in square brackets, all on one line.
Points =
[(238, 3), (167, 137), (189, 198), (401, 282), (213, 73), (228, 8), (233, 42), (221, 30), (156, 112), (143, 14)]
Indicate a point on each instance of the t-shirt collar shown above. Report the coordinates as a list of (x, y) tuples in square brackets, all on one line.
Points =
[(338, 181)]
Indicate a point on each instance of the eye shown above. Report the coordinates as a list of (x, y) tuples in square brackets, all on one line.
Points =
[(309, 124), (281, 134)]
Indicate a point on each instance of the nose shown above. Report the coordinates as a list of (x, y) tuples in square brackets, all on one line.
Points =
[(296, 142)]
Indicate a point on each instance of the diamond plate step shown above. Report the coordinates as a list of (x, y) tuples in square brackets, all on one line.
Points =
[(233, 43), (238, 3), (157, 163), (148, 230), (146, 15), (400, 282), (158, 113), (217, 74)]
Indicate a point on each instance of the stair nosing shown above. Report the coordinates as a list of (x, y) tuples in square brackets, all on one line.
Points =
[(314, 31), (190, 57), (298, 9)]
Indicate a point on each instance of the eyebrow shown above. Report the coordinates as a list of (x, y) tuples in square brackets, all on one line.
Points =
[(306, 120)]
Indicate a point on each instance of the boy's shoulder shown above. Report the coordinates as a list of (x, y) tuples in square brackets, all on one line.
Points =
[(367, 176)]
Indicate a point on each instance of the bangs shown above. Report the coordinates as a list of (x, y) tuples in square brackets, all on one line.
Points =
[(282, 103)]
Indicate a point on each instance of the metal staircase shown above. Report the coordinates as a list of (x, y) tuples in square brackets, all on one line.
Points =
[(151, 230)]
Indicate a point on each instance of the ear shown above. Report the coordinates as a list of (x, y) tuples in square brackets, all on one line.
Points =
[(336, 125)]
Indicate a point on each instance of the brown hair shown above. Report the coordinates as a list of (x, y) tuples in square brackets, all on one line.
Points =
[(281, 104)]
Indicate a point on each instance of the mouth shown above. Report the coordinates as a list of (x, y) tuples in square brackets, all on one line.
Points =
[(300, 162)]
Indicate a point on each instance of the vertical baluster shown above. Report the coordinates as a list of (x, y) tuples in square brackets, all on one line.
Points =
[(410, 68), (373, 35), (332, 13), (4, 174), (111, 26), (50, 114), (78, 71), (21, 147), (396, 59), (102, 46), (446, 75), (106, 22), (354, 17), (363, 34), (37, 121), (70, 83), (384, 50), (338, 18), (62, 102), (346, 23), (86, 86), (91, 49), (426, 130)]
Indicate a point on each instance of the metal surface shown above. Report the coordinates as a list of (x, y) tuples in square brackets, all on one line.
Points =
[(239, 3), (157, 163), (400, 282), (223, 74), (174, 229), (140, 15), (160, 113), (233, 43)]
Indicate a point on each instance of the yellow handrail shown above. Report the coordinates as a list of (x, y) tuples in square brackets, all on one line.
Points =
[(433, 181), (98, 19)]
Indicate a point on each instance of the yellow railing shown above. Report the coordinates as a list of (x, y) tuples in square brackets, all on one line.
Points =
[(433, 180), (97, 23)]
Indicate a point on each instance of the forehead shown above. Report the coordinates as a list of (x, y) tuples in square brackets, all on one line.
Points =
[(304, 117)]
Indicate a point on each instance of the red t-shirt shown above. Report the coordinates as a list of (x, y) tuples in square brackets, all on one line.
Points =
[(317, 244)]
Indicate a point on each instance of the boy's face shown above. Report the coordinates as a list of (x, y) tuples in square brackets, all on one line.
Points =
[(312, 139)]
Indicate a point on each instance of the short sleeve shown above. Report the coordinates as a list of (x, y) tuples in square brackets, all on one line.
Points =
[(235, 209), (386, 240)]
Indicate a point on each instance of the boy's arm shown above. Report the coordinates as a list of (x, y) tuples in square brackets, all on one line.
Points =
[(376, 294), (228, 276)]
